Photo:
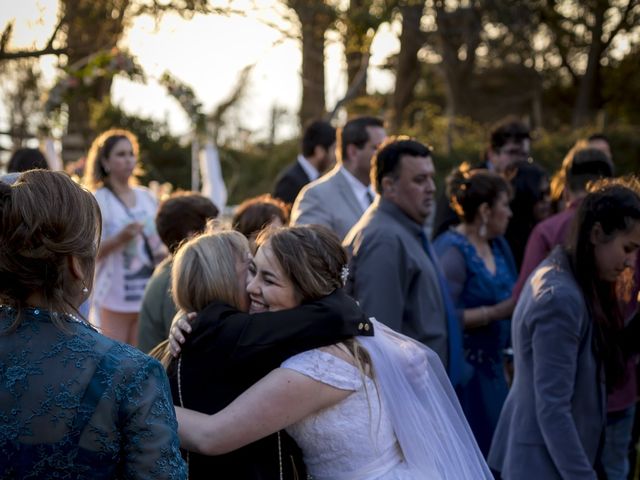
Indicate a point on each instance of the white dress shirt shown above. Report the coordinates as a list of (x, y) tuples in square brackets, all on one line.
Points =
[(310, 170), (364, 193)]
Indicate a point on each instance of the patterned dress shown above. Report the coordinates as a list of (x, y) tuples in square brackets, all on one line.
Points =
[(77, 405), (473, 285)]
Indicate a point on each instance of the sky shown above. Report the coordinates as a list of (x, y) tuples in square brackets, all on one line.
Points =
[(207, 53)]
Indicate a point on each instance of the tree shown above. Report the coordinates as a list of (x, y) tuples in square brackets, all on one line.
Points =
[(86, 28), (315, 18), (22, 97), (408, 66), (358, 25), (584, 33)]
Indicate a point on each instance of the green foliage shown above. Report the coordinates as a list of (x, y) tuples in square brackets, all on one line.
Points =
[(253, 172), (621, 89), (165, 159)]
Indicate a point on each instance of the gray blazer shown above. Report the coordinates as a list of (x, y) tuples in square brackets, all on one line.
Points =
[(328, 201), (393, 278), (554, 416)]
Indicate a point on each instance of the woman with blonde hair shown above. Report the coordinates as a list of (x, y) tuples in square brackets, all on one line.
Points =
[(229, 350), (130, 244), (373, 407)]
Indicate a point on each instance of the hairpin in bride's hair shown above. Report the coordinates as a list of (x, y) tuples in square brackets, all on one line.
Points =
[(344, 274)]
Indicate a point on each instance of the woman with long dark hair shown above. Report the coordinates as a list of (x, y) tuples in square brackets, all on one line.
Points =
[(568, 333)]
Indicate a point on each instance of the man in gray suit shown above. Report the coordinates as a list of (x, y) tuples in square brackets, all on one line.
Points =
[(393, 271), (338, 199)]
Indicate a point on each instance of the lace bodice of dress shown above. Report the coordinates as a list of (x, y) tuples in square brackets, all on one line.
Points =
[(77, 405), (351, 436)]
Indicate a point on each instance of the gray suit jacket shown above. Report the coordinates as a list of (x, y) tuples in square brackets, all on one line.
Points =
[(554, 416), (328, 201), (393, 278)]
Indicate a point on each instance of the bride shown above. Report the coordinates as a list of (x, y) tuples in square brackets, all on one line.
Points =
[(373, 408)]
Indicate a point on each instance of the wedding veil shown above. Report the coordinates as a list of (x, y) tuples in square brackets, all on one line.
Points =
[(432, 431)]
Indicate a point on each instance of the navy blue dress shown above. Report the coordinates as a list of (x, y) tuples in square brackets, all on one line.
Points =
[(473, 285), (77, 405)]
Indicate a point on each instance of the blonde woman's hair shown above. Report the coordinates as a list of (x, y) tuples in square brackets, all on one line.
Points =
[(559, 180), (203, 271), (95, 174)]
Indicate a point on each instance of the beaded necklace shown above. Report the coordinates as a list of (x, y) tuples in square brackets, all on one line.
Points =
[(40, 313)]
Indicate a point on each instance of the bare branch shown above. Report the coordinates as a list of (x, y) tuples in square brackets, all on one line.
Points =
[(47, 50), (6, 36), (215, 118), (354, 88), (623, 24), (184, 8)]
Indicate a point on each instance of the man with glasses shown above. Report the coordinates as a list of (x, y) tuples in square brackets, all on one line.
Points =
[(510, 142)]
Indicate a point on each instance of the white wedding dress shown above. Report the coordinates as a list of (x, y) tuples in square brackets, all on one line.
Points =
[(352, 440), (358, 439)]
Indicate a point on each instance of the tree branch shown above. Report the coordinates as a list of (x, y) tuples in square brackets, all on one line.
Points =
[(354, 88), (622, 24), (47, 50)]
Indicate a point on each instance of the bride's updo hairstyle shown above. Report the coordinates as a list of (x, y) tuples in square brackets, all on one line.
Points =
[(45, 218), (310, 255)]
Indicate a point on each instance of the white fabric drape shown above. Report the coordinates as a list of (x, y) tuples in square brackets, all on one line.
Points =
[(213, 185), (432, 431)]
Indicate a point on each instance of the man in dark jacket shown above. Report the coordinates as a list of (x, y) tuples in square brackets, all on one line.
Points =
[(318, 155)]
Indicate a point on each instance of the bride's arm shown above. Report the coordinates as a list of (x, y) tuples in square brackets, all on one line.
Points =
[(278, 400)]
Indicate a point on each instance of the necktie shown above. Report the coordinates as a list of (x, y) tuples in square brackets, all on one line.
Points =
[(458, 370), (369, 197)]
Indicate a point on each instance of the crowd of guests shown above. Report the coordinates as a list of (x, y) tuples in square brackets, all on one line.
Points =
[(493, 334)]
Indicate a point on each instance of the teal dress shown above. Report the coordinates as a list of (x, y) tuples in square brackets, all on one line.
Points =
[(77, 405), (473, 285)]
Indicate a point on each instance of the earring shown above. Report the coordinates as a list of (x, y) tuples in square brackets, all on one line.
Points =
[(85, 290), (482, 231), (106, 169)]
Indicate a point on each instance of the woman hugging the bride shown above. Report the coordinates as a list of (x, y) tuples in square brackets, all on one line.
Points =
[(376, 407)]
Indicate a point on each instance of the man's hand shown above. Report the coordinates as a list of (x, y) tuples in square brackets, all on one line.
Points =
[(180, 328)]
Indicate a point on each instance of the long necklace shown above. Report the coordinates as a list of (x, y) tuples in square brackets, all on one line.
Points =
[(181, 399)]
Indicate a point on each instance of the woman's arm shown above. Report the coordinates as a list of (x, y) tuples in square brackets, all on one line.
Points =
[(484, 315), (149, 442), (556, 335), (454, 269), (119, 240), (261, 342), (280, 399)]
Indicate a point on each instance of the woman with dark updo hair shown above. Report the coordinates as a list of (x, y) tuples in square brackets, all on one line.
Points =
[(130, 245), (73, 403), (480, 271)]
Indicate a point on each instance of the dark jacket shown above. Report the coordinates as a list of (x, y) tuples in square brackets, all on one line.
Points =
[(229, 351), (289, 182)]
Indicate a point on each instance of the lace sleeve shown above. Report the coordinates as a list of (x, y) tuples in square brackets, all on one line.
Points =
[(151, 443), (326, 368)]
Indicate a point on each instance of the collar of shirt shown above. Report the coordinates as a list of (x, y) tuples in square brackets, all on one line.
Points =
[(361, 191), (402, 218), (310, 170)]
